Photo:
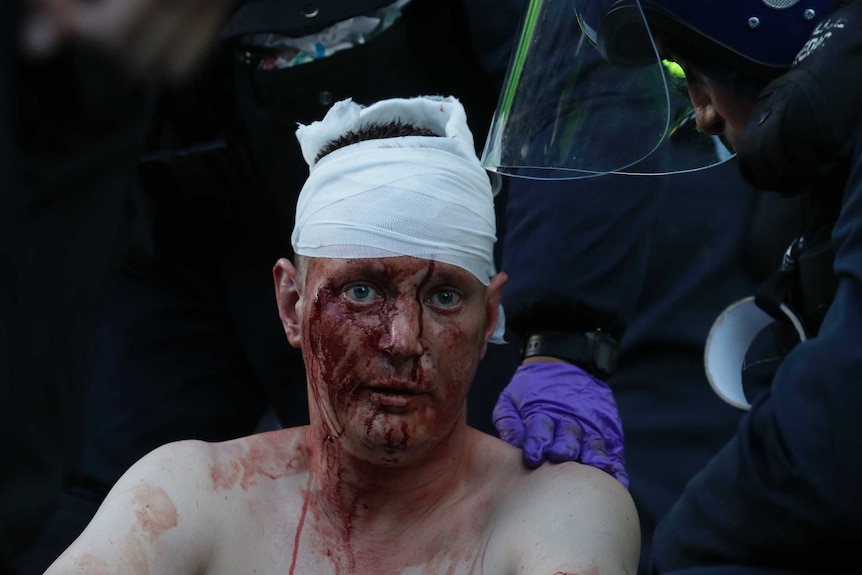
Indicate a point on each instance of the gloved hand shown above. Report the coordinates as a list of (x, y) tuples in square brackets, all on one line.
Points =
[(560, 412)]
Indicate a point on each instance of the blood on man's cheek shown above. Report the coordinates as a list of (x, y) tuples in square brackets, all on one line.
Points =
[(344, 343), (335, 341)]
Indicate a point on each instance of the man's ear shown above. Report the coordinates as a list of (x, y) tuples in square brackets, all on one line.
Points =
[(287, 294), (493, 295)]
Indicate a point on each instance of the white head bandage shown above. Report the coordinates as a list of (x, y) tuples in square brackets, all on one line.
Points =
[(421, 196)]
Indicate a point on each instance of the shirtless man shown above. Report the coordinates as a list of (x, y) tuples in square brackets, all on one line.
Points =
[(392, 300)]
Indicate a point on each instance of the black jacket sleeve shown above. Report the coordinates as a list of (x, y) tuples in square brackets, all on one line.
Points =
[(576, 251), (785, 492)]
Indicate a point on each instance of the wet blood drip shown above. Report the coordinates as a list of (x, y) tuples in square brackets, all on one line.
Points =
[(329, 349), (315, 360), (405, 435), (332, 484), (369, 421), (417, 373), (348, 515), (334, 348), (299, 531)]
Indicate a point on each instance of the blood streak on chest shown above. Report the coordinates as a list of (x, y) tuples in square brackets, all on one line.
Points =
[(299, 527), (326, 538)]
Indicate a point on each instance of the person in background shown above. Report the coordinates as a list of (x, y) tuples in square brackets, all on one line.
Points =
[(615, 316), (71, 131), (694, 254), (771, 82)]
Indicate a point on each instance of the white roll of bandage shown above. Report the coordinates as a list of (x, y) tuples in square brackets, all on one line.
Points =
[(421, 196)]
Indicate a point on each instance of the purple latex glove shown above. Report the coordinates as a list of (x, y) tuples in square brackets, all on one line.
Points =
[(560, 412)]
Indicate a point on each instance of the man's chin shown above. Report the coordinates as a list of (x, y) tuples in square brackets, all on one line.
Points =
[(389, 438)]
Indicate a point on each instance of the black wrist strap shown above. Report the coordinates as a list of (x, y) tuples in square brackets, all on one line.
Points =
[(593, 351)]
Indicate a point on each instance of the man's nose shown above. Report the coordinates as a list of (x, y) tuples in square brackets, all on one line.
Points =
[(402, 334), (707, 118)]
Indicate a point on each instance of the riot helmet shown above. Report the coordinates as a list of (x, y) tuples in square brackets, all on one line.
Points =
[(588, 91)]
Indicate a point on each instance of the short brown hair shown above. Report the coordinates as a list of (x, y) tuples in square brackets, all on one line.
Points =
[(375, 131)]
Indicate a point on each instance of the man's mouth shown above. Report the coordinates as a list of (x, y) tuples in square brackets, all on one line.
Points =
[(395, 386), (395, 395)]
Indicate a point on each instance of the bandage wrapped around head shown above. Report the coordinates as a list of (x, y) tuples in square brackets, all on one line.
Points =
[(421, 196)]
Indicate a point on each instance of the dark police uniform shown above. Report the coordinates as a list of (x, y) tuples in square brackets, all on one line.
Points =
[(784, 493), (654, 260), (650, 261)]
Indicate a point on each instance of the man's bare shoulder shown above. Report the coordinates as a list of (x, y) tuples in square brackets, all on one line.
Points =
[(579, 481), (574, 481), (579, 518), (257, 459), (493, 456), (242, 462), (165, 513)]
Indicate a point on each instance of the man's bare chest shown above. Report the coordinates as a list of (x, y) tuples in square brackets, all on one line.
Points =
[(458, 544)]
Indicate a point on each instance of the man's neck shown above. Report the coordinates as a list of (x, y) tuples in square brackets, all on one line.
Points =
[(355, 495)]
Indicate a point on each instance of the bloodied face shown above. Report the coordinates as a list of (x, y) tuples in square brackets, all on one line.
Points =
[(390, 346)]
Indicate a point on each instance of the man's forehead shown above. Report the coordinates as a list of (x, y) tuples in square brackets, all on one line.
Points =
[(396, 266)]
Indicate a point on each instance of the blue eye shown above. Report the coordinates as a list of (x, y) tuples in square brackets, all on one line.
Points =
[(361, 293), (445, 298)]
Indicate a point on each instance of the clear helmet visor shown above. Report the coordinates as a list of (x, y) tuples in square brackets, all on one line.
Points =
[(587, 94)]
